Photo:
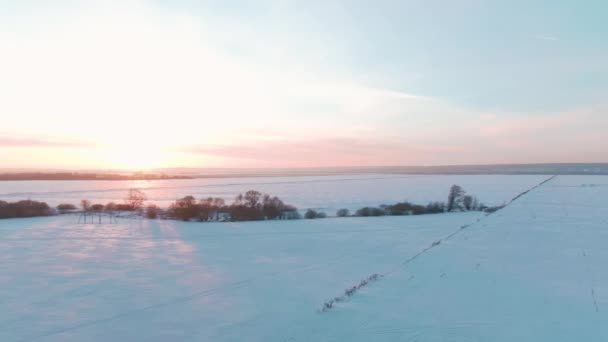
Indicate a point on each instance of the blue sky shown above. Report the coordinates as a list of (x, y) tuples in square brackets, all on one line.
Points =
[(511, 55), (370, 83)]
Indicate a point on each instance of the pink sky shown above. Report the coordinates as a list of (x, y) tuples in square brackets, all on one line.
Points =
[(132, 85)]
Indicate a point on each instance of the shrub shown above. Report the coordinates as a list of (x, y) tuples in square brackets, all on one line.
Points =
[(370, 211), (152, 211), (66, 207), (290, 213), (418, 210), (435, 208), (111, 206), (25, 208), (311, 214), (123, 207), (402, 208), (97, 207), (342, 213), (184, 209)]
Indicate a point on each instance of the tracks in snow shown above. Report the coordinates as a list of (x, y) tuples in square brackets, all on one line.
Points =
[(330, 304)]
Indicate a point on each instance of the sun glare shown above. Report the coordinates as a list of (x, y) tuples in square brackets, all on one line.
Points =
[(140, 156)]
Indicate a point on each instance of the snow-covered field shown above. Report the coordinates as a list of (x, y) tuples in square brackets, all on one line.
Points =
[(535, 271)]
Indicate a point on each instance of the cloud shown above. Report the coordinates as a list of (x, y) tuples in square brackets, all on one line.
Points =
[(138, 77), (100, 69), (343, 151), (7, 141)]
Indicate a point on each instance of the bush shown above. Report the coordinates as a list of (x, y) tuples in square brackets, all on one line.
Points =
[(435, 208), (184, 209), (25, 208), (123, 207), (313, 214), (290, 213), (402, 208), (342, 213), (418, 210), (97, 208), (370, 211), (152, 211), (310, 214), (66, 207)]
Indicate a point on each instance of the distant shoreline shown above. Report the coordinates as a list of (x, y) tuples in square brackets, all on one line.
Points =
[(43, 176), (193, 173), (498, 169)]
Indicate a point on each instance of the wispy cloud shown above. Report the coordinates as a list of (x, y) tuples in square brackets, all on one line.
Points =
[(20, 141), (344, 151)]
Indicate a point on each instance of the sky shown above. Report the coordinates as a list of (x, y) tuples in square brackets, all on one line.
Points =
[(143, 84)]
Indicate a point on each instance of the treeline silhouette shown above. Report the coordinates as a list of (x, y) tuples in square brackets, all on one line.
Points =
[(25, 208), (458, 200), (250, 206)]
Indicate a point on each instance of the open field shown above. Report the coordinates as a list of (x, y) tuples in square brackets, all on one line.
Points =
[(534, 271)]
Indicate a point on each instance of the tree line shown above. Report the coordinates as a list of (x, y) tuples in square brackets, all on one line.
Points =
[(24, 208), (457, 200), (249, 206)]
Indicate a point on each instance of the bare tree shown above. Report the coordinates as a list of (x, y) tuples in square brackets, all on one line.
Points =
[(85, 204), (152, 211), (135, 198), (252, 198), (219, 202), (467, 202), (455, 198)]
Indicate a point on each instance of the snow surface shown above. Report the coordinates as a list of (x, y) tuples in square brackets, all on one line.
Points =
[(534, 271)]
